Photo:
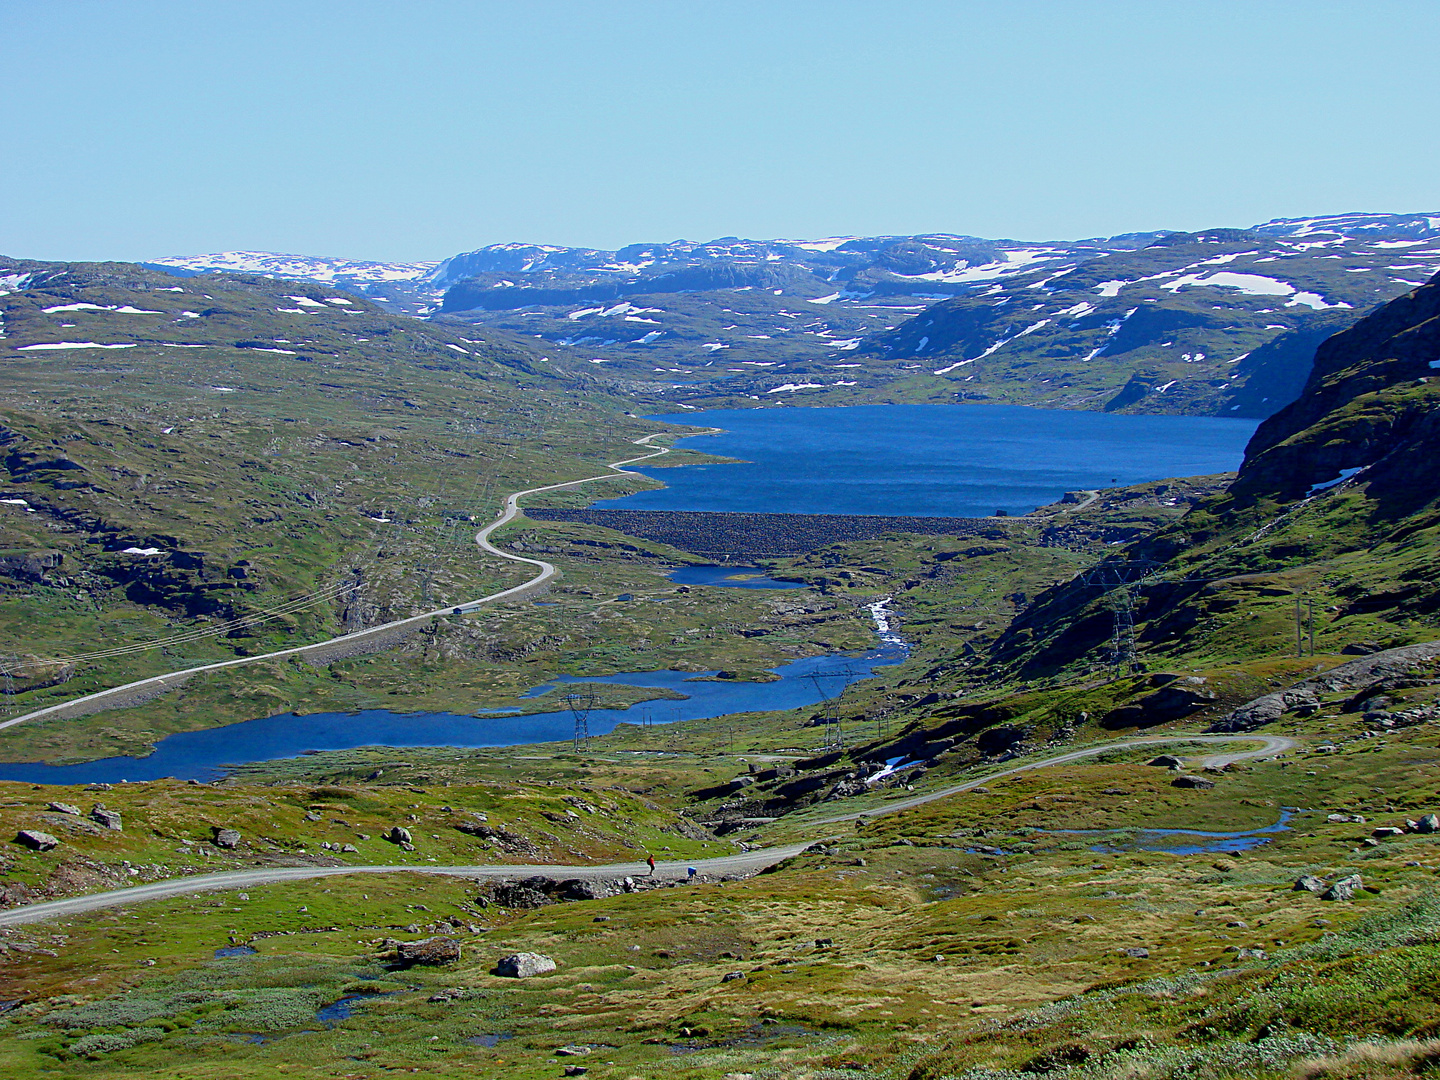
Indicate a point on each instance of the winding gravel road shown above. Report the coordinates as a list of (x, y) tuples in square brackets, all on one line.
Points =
[(142, 689), (743, 862)]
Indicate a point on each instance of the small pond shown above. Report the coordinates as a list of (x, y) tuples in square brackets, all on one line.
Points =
[(737, 577), (1180, 841)]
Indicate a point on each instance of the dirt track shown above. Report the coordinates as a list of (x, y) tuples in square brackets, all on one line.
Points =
[(744, 862)]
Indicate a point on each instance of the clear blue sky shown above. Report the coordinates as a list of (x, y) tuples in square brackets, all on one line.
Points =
[(413, 129)]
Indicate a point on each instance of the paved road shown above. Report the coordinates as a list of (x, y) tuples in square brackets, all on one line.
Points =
[(744, 862), (92, 703)]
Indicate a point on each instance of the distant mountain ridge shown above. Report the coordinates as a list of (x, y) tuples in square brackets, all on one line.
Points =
[(1220, 322), (944, 255)]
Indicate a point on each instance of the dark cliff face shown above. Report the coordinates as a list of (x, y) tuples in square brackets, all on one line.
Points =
[(1369, 403)]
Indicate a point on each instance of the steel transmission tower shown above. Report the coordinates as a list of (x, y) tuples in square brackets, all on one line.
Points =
[(581, 703), (1121, 582)]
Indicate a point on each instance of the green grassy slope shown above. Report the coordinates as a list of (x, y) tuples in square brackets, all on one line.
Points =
[(226, 446), (1335, 504)]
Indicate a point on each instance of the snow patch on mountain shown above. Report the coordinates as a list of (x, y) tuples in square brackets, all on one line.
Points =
[(299, 267), (1250, 284)]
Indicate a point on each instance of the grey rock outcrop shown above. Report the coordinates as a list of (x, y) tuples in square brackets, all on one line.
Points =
[(1198, 782), (524, 965), (582, 889), (1265, 709), (399, 835), (108, 818), (1166, 761), (430, 951), (35, 840), (529, 893), (1387, 664), (226, 838), (1430, 823), (1309, 883), (1344, 889), (537, 891), (64, 808)]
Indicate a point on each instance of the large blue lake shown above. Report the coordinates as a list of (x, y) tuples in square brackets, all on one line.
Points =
[(924, 460), (916, 460)]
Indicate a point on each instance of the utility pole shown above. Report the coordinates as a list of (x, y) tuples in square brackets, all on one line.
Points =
[(1307, 625), (1122, 635)]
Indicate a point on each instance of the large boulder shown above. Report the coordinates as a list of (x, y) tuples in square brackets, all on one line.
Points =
[(226, 838), (110, 819), (524, 965), (35, 840), (64, 808), (1430, 823), (1344, 889), (399, 835), (1192, 782), (533, 892), (581, 889), (999, 739), (431, 951), (1309, 883)]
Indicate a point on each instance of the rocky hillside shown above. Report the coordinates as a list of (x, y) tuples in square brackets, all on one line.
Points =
[(1217, 323), (1335, 514), (399, 287), (235, 462)]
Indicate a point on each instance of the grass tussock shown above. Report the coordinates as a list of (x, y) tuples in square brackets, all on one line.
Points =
[(1375, 1061)]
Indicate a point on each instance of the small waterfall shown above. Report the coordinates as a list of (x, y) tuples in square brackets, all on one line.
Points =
[(881, 613)]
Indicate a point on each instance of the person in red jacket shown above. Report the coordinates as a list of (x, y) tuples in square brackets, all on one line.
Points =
[(650, 862)]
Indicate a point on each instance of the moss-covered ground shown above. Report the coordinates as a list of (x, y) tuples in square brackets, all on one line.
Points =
[(972, 932)]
